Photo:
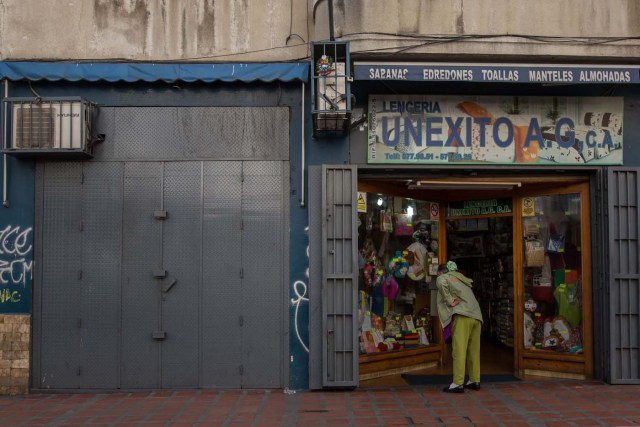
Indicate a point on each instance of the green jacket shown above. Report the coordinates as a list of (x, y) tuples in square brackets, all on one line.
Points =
[(454, 285)]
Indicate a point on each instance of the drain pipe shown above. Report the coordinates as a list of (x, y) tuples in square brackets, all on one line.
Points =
[(5, 197), (331, 32), (302, 150)]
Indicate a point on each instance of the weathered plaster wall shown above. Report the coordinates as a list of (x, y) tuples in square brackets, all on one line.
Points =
[(524, 28), (153, 30)]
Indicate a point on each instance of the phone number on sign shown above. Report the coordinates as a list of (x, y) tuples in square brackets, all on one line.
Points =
[(429, 156)]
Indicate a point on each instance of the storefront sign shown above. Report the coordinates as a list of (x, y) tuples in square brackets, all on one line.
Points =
[(426, 129), (491, 73), (479, 207)]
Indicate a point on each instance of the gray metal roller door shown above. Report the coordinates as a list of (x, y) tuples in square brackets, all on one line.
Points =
[(105, 316), (59, 322), (213, 319), (221, 283)]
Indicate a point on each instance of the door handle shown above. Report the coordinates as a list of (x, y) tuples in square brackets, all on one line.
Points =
[(168, 283)]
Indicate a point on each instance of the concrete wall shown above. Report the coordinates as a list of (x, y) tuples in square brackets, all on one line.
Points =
[(278, 30), (154, 30), (558, 30)]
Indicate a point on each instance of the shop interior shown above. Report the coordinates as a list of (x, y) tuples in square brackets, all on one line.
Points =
[(404, 233)]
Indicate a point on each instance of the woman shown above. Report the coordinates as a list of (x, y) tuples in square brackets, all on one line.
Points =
[(461, 319)]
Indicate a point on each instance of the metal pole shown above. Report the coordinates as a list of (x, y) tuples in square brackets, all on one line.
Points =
[(5, 196)]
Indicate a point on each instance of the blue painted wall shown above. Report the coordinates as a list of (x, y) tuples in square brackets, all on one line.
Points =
[(16, 238)]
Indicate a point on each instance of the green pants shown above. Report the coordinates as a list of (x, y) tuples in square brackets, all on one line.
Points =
[(466, 349)]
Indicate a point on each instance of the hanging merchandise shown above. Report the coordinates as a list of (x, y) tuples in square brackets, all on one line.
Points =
[(529, 330), (530, 305), (556, 243), (562, 326), (377, 298), (545, 277), (541, 291), (368, 272), (403, 226), (530, 227), (399, 265), (386, 223), (568, 304), (534, 253), (369, 221), (390, 290), (416, 269), (552, 341)]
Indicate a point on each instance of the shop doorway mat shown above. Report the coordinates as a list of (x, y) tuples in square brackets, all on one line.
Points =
[(413, 379)]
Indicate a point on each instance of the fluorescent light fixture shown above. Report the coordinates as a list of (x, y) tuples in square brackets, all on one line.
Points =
[(462, 185)]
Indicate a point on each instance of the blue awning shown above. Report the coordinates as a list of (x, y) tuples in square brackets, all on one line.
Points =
[(150, 72)]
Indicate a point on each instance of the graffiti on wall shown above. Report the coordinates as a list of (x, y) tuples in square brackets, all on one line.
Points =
[(300, 289), (16, 268)]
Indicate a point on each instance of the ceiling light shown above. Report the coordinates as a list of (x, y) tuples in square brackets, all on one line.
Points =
[(462, 185)]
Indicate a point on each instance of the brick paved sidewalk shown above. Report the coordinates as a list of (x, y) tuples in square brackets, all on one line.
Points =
[(546, 403)]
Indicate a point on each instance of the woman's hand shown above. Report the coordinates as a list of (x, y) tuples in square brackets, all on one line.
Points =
[(455, 302)]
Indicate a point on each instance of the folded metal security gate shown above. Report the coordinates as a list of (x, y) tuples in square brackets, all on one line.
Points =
[(154, 274), (339, 277), (624, 280)]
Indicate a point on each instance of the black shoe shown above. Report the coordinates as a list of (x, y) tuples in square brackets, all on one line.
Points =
[(473, 386), (459, 389)]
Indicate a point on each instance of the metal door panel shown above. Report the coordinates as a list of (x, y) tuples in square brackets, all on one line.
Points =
[(182, 246), (61, 264), (234, 133), (142, 253), (340, 274), (146, 134), (262, 264), (101, 269), (221, 304), (624, 292)]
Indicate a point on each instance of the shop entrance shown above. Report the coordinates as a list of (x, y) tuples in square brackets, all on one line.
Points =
[(482, 248), (527, 250)]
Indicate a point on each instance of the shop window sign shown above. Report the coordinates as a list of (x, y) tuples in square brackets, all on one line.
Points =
[(479, 207)]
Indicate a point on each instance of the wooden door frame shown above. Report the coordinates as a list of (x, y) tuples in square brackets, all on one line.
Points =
[(569, 365)]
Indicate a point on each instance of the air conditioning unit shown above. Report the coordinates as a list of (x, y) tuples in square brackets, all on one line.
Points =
[(48, 125)]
